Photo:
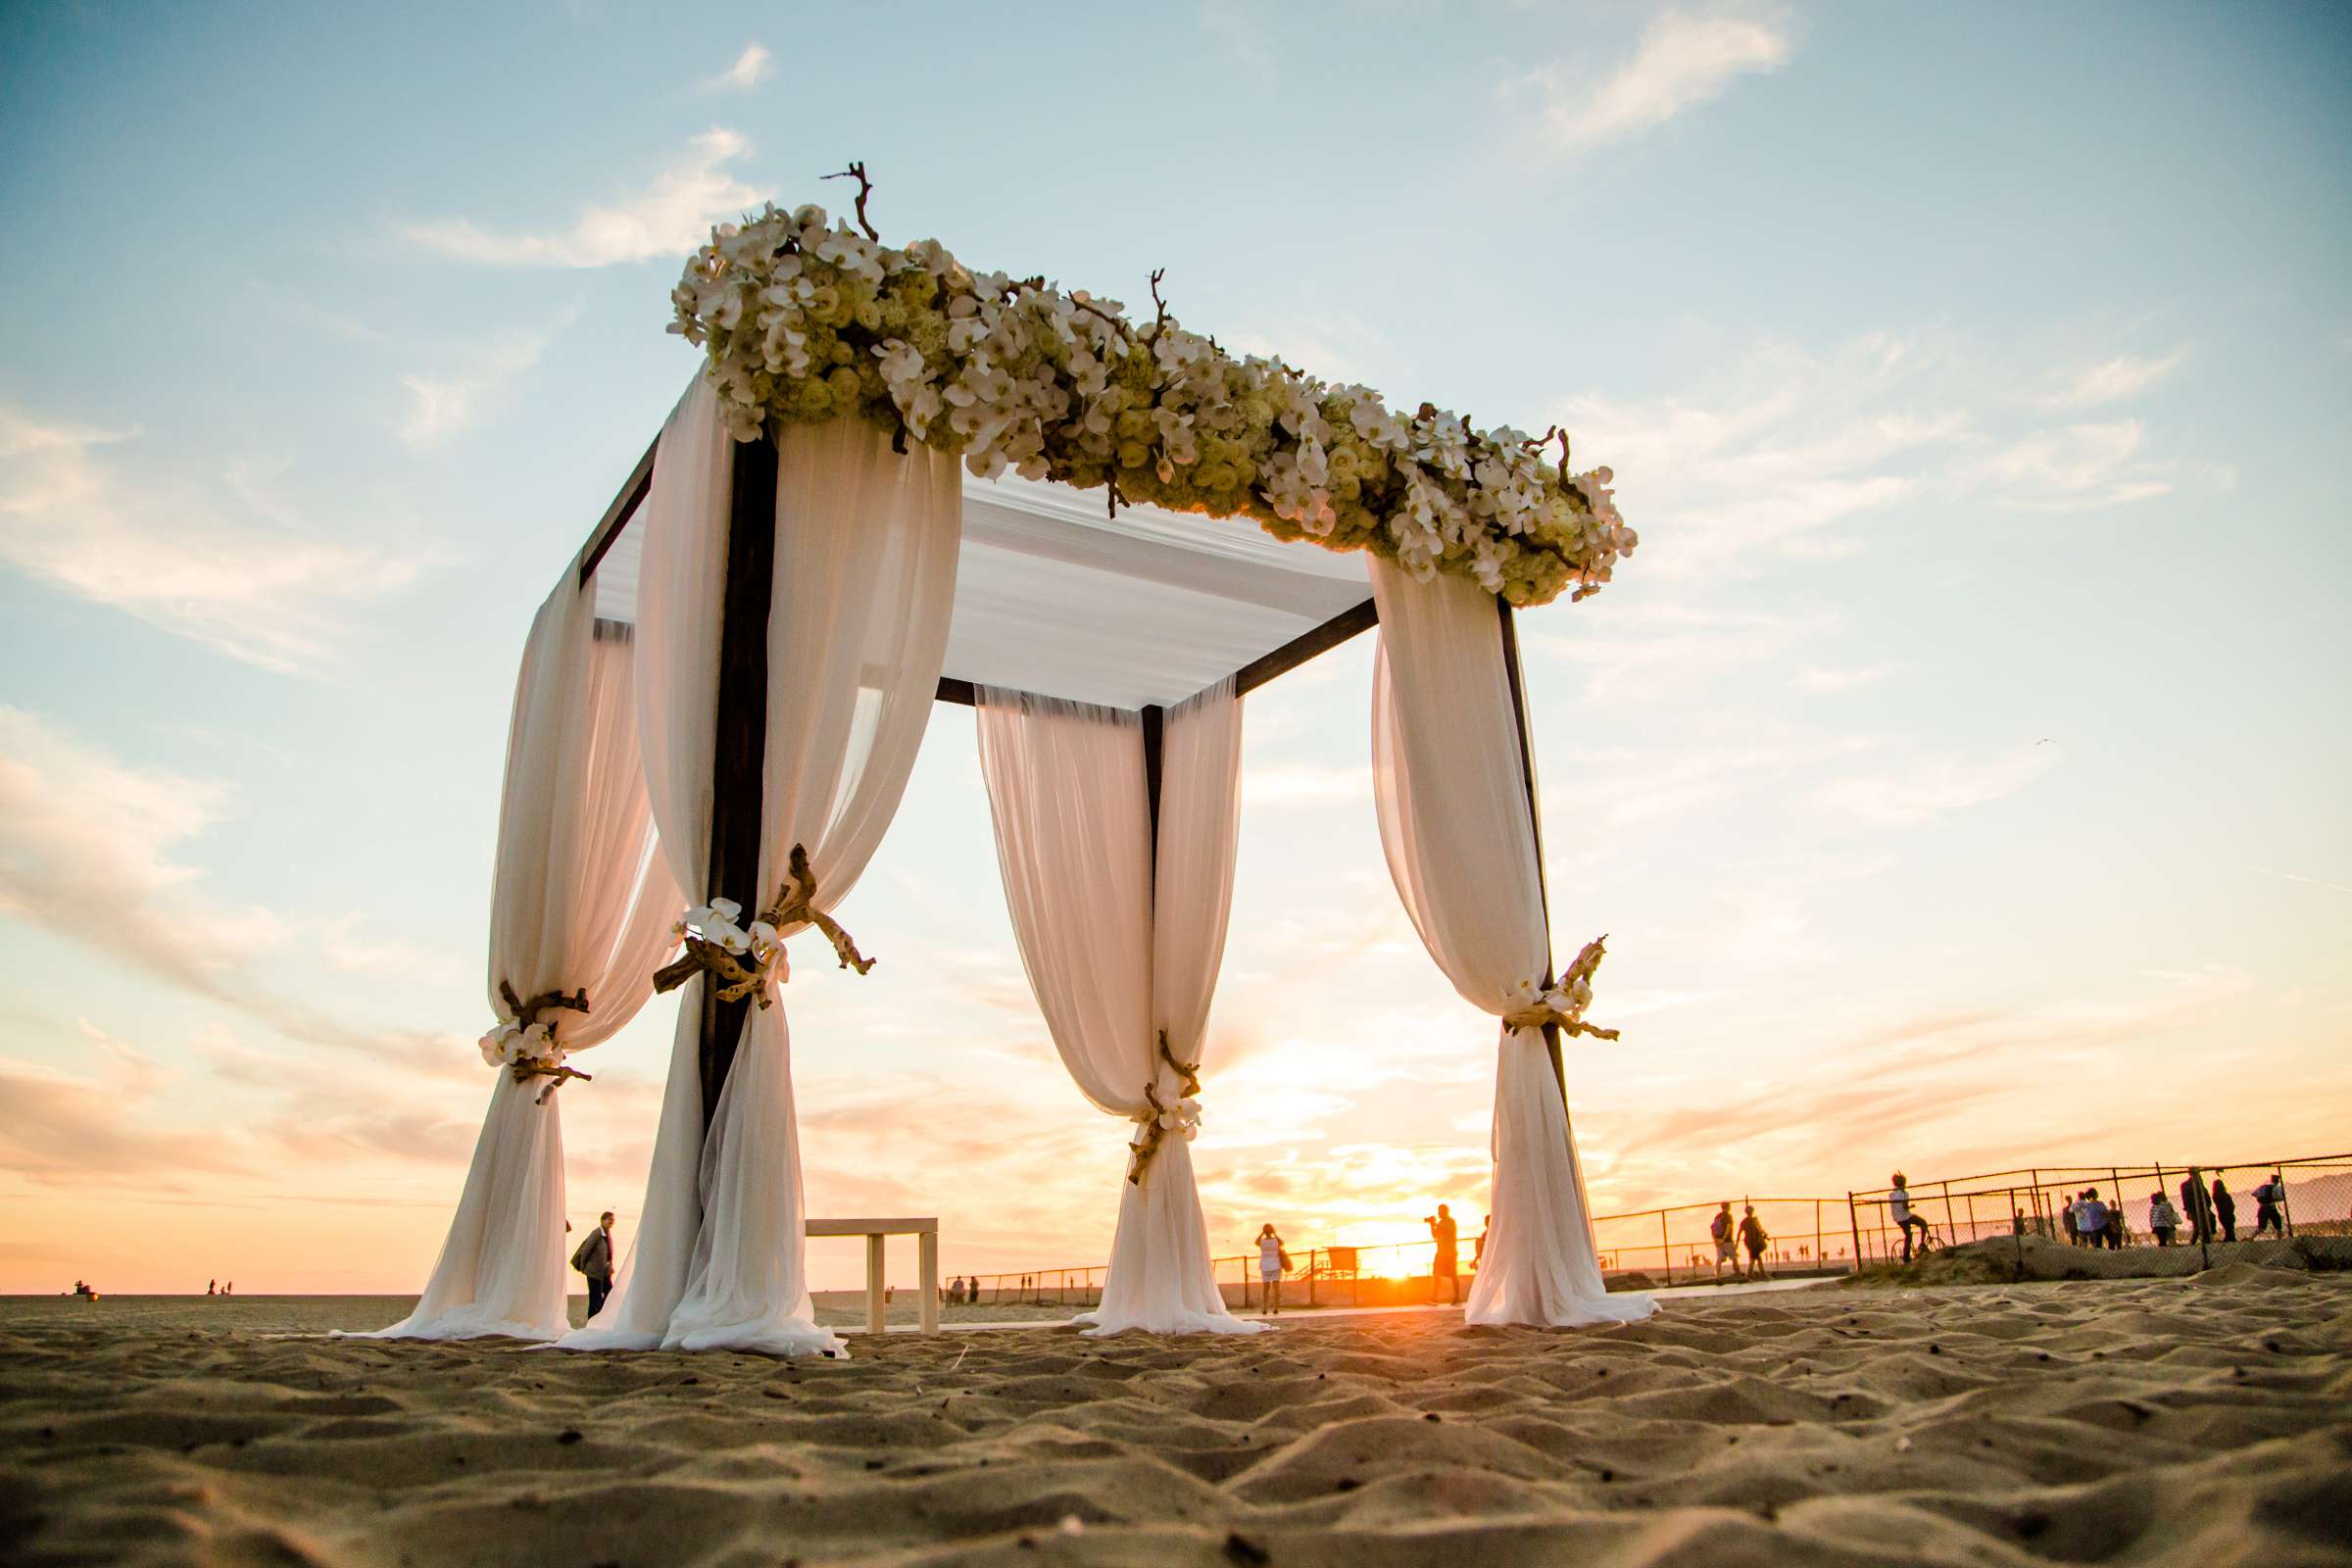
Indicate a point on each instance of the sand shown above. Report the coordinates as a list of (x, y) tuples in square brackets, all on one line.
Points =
[(2202, 1422)]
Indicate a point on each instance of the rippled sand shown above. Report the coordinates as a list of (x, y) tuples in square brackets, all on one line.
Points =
[(2193, 1422)]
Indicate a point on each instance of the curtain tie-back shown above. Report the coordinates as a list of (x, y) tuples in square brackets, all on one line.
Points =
[(1158, 1121), (1564, 1003), (525, 1041), (716, 942)]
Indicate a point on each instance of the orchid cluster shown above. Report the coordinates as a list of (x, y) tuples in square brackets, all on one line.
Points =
[(719, 923), (516, 1043), (1156, 1122), (805, 322), (1564, 1003)]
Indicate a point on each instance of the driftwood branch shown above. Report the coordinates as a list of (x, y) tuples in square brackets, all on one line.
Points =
[(865, 188)]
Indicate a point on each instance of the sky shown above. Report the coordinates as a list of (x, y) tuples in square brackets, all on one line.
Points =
[(1958, 768)]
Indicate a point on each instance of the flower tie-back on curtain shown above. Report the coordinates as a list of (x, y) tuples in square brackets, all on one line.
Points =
[(579, 911), (864, 581), (1461, 841), (1122, 953)]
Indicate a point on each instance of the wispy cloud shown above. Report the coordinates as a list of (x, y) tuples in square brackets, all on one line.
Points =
[(2074, 469), (668, 218), (1683, 60), (255, 587), (2307, 881), (1237, 28), (93, 850), (1832, 681), (750, 68), (447, 403), (1932, 786), (2127, 376)]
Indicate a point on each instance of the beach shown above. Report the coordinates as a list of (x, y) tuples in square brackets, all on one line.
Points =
[(2204, 1421)]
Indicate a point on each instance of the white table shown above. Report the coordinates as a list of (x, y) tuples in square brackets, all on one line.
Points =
[(926, 1233)]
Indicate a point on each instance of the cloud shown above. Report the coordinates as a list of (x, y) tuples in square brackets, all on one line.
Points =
[(2074, 469), (441, 405), (90, 849), (255, 587), (2127, 376), (1236, 28), (666, 218), (1683, 60), (1931, 787), (1840, 680), (1272, 785), (750, 68)]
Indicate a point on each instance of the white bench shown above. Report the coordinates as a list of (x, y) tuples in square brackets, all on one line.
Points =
[(926, 1233)]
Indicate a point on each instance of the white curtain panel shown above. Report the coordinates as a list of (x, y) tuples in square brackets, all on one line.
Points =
[(1111, 959), (864, 582), (681, 575), (580, 900), (1460, 844)]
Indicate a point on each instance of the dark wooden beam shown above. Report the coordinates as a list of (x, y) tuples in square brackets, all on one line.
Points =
[(633, 491), (1154, 728), (952, 690), (740, 745), (1299, 650), (1535, 816)]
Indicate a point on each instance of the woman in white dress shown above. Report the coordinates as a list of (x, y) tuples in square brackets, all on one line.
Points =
[(1270, 1258)]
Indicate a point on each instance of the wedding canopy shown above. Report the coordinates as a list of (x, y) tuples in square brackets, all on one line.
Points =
[(800, 569)]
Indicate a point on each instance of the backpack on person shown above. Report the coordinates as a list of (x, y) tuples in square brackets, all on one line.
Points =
[(580, 1254)]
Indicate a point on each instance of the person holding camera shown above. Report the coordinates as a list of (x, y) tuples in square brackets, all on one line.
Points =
[(1447, 1264)]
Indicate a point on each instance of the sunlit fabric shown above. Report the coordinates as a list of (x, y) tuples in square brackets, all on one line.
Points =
[(1456, 826)]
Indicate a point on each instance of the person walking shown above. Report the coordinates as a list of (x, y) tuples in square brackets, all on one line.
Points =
[(1446, 1266), (2224, 1209), (2196, 1205), (1755, 1236), (1271, 1261), (1727, 1247), (1899, 1207), (2163, 1218), (2270, 1202), (593, 1259)]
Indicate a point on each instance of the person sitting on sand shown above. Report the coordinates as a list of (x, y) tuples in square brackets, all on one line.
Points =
[(1270, 1257), (2268, 1205), (1899, 1207), (1727, 1249), (2163, 1218), (2224, 1209), (1447, 1264), (1754, 1235)]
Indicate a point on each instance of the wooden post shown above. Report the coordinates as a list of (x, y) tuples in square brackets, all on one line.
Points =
[(1665, 1242), (1535, 822), (927, 1243), (877, 1315), (1854, 1220), (740, 744)]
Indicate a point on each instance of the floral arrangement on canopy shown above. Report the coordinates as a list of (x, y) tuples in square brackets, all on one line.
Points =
[(806, 321)]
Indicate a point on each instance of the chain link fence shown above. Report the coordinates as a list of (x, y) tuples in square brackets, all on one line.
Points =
[(2118, 1221), (2026, 1223)]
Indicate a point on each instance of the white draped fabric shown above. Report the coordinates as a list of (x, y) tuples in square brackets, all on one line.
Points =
[(580, 900), (1118, 949), (1460, 842), (865, 578)]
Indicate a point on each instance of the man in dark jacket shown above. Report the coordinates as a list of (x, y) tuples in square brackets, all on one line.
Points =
[(2196, 1205), (593, 1259)]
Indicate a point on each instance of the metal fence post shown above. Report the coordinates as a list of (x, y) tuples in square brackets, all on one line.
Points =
[(1665, 1246), (1854, 1221), (1310, 1275)]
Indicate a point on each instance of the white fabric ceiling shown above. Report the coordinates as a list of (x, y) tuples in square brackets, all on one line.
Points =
[(1054, 597)]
